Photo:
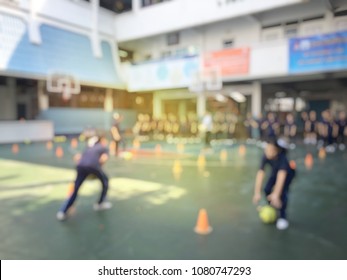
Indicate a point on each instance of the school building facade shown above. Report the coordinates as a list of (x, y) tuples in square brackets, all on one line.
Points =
[(170, 57)]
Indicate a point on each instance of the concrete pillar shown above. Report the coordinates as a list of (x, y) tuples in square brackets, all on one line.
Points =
[(42, 97), (96, 46), (136, 5), (8, 104), (12, 104), (256, 99), (182, 109), (157, 105), (108, 109), (108, 103), (33, 24), (201, 105), (329, 22)]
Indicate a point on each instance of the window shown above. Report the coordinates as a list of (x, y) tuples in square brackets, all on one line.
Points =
[(116, 6), (312, 30), (271, 34), (3, 81), (341, 24), (166, 54), (146, 3), (228, 43), (125, 55), (290, 32), (173, 39)]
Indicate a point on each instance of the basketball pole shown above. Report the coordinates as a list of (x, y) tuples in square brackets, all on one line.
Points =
[(108, 109)]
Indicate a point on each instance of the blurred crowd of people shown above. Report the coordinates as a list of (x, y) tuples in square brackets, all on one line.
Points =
[(222, 127), (327, 130)]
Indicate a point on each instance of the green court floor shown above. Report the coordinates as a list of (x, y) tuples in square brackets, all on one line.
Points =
[(155, 209)]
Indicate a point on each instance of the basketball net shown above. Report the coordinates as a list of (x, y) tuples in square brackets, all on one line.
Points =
[(64, 84), (208, 79), (66, 93)]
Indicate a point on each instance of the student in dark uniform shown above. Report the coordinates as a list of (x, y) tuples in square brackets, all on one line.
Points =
[(301, 124), (330, 129), (322, 129), (90, 163), (259, 125), (249, 124), (290, 127), (271, 126), (117, 133), (342, 130), (311, 129), (277, 187)]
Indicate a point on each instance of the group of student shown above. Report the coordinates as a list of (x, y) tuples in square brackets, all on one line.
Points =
[(168, 125), (276, 189), (223, 126), (326, 130)]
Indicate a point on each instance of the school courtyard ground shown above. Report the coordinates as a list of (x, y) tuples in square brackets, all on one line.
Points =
[(157, 195)]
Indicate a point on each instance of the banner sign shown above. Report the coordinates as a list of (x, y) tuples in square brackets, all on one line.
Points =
[(318, 53), (231, 62)]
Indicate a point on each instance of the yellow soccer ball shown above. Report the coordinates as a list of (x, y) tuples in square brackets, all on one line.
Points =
[(268, 214)]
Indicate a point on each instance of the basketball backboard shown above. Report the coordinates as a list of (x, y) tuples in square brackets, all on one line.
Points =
[(63, 83), (208, 79)]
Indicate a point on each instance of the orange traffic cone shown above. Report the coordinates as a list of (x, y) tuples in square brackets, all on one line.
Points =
[(292, 164), (202, 224), (309, 161), (136, 144), (201, 162), (223, 155), (49, 145), (177, 169), (158, 149), (59, 152), (322, 153), (242, 150), (15, 148), (74, 143)]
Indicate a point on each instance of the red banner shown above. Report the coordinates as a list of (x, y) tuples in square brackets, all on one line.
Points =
[(231, 62)]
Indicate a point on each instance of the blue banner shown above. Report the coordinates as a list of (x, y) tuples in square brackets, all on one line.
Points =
[(318, 53)]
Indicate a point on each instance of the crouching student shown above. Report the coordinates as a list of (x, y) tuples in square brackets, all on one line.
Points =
[(281, 175)]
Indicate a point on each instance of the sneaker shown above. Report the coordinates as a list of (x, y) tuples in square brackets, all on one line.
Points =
[(330, 149), (282, 224), (103, 206), (61, 216)]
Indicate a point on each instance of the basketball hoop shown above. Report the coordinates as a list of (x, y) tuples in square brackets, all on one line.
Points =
[(213, 79), (65, 84), (66, 93), (197, 82), (208, 79)]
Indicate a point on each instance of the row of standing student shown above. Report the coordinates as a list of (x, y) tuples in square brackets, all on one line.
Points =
[(326, 131), (223, 126)]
